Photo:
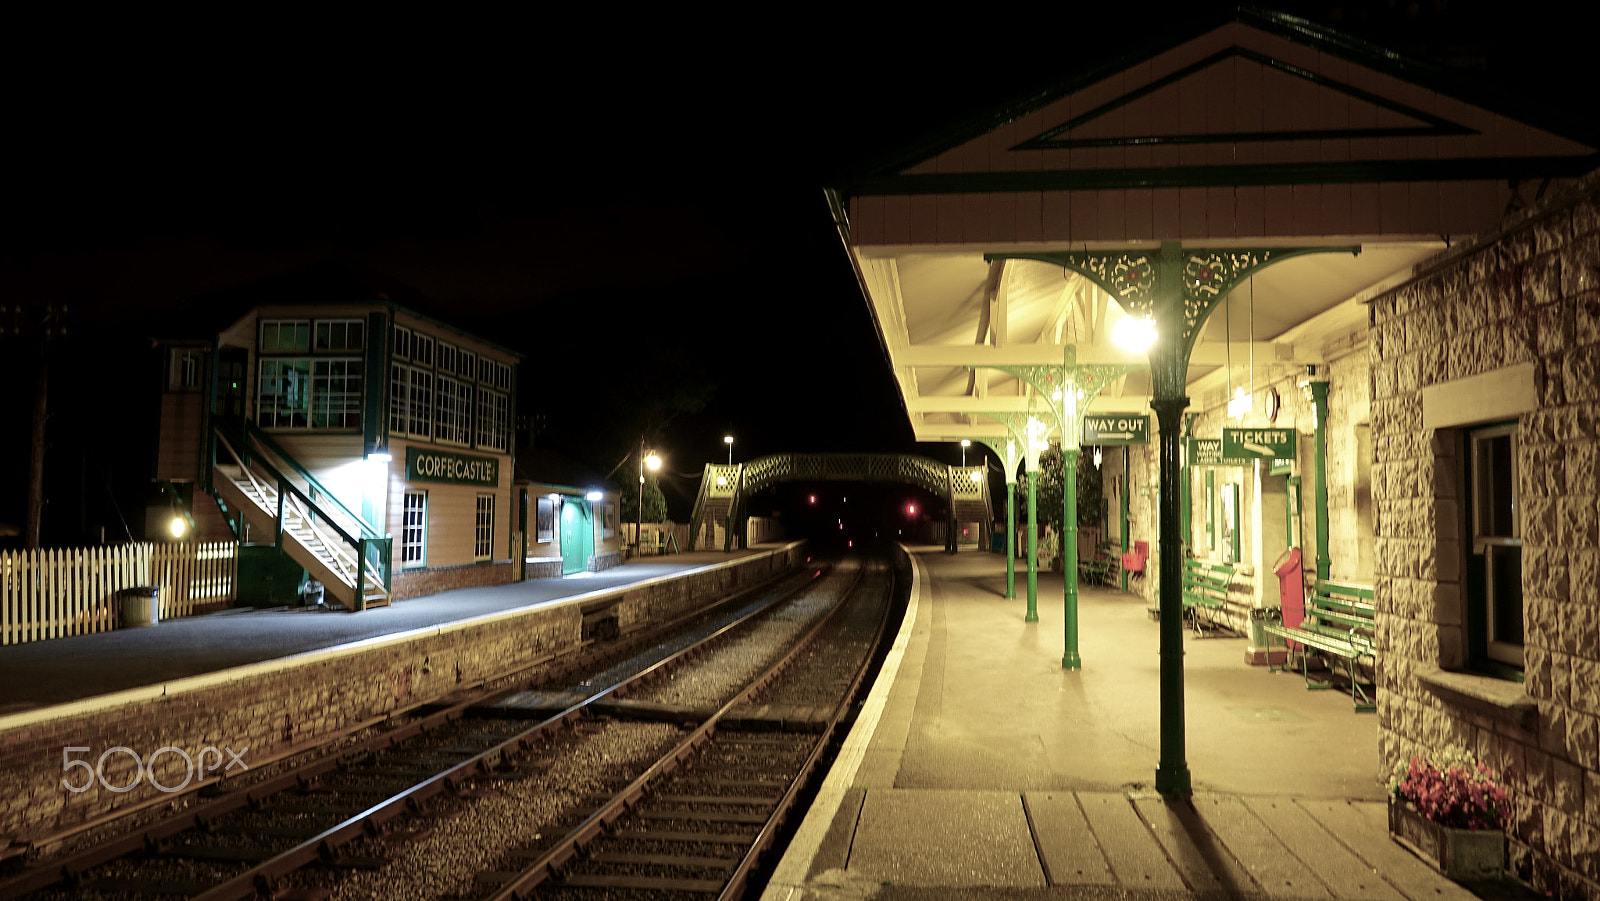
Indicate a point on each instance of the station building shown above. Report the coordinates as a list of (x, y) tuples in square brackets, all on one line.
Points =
[(1397, 270), (332, 421), (569, 518)]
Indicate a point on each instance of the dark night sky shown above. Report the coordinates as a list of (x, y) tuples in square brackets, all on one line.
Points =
[(635, 178)]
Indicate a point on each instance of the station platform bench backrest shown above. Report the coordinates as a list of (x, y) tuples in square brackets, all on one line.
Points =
[(1339, 624)]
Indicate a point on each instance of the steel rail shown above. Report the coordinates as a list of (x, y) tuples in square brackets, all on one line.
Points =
[(259, 878), (769, 830), (547, 865), (71, 867)]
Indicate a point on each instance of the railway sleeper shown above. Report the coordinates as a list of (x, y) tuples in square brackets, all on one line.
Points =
[(740, 838), (643, 883), (650, 711), (214, 853), (624, 858), (777, 718), (704, 816), (124, 885)]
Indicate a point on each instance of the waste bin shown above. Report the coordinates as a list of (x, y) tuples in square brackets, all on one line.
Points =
[(139, 606), (1291, 591), (1291, 588), (311, 593)]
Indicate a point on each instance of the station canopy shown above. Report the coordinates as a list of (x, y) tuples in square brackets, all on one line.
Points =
[(1259, 132)]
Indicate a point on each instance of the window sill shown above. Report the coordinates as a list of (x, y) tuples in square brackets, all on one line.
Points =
[(1497, 698)]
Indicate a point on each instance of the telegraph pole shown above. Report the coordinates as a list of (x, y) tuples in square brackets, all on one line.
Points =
[(51, 322)]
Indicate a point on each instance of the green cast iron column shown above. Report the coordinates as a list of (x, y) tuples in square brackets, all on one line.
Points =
[(1069, 566), (1177, 289), (1033, 545), (1011, 538), (1185, 475), (1122, 505), (1172, 774), (1319, 399), (1169, 359)]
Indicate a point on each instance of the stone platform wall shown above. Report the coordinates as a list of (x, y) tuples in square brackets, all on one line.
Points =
[(264, 711)]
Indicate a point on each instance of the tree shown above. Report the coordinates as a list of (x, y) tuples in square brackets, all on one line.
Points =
[(655, 503), (1091, 503)]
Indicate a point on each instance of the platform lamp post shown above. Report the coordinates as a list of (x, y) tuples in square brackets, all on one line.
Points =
[(1177, 288), (653, 461), (728, 440)]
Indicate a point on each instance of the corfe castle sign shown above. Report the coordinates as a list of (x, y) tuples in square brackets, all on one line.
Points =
[(429, 465)]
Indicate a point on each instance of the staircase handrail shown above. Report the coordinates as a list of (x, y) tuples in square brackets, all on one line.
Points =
[(309, 516), (283, 482), (699, 507), (254, 432)]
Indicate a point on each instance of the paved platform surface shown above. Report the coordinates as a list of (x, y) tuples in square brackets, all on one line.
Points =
[(979, 768), (42, 674)]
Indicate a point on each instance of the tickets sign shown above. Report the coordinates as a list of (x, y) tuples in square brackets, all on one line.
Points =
[(1115, 431), (1264, 444)]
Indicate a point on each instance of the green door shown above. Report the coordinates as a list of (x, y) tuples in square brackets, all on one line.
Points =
[(577, 537)]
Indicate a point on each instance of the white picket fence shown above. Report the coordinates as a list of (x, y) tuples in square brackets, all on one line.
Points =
[(73, 591)]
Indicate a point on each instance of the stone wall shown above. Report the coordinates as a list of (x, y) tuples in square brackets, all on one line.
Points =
[(267, 710), (1523, 296), (415, 583)]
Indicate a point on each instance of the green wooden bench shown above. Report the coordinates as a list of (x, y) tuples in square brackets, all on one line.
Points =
[(1338, 625), (1205, 592), (1100, 568)]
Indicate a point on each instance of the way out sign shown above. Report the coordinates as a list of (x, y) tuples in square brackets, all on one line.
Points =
[(1114, 431), (1263, 443)]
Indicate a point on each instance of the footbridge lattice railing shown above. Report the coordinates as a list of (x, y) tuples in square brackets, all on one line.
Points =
[(725, 489)]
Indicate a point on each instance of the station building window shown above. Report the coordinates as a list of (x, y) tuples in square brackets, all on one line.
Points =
[(483, 535), (280, 336), (309, 393), (185, 368), (494, 420), (414, 529), (340, 335), (1494, 559), (410, 401), (453, 424)]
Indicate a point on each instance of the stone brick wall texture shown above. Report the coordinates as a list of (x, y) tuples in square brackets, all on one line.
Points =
[(1529, 292), (419, 582), (279, 710)]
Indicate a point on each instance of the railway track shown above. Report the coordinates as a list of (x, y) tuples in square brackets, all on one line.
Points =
[(331, 815), (699, 820)]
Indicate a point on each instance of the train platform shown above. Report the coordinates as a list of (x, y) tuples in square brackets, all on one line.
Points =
[(76, 671), (979, 768)]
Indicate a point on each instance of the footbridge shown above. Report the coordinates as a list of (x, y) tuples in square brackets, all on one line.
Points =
[(725, 490)]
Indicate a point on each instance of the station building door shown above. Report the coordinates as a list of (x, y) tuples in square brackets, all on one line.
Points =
[(577, 538)]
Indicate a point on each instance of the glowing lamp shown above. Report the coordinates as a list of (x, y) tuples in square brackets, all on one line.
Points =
[(1134, 333)]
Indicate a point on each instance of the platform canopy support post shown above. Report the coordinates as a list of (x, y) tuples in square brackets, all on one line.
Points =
[(1069, 389), (1008, 448), (1176, 288)]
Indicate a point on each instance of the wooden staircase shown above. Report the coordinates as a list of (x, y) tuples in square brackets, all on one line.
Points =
[(308, 537)]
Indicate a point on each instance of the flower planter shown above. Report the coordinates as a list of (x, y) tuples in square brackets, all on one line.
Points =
[(1462, 855)]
